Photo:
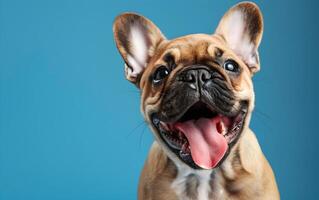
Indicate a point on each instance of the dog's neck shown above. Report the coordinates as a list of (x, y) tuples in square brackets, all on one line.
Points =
[(191, 184)]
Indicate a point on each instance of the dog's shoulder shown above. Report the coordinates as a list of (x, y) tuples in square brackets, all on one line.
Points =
[(157, 175)]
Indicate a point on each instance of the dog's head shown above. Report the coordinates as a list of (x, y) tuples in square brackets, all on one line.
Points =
[(196, 91)]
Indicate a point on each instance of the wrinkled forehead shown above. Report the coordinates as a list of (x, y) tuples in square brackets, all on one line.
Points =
[(192, 48)]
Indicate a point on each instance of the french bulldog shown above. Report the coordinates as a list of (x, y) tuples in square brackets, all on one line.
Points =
[(197, 97)]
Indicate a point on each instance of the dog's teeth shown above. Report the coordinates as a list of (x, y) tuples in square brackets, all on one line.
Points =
[(223, 128), (184, 147), (180, 135), (164, 126)]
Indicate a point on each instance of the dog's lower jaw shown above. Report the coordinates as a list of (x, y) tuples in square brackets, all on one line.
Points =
[(242, 175)]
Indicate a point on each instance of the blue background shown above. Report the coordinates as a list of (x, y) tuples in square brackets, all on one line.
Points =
[(70, 125)]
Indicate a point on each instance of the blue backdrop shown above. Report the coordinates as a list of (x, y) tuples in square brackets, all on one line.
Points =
[(70, 125)]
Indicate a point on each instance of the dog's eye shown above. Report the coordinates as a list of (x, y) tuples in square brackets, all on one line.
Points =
[(160, 73), (231, 65)]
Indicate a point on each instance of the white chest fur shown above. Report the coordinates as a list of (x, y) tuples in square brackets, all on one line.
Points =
[(181, 183)]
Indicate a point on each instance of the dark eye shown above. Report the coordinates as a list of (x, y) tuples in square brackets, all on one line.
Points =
[(160, 73), (231, 66)]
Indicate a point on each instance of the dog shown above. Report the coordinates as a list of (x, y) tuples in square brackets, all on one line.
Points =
[(197, 97)]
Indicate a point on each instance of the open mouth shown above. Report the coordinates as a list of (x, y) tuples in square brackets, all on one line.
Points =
[(202, 137)]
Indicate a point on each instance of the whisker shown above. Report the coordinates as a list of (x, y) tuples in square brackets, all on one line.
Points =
[(264, 115), (141, 137), (135, 128)]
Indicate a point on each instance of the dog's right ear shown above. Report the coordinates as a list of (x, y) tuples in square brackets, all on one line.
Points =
[(136, 38)]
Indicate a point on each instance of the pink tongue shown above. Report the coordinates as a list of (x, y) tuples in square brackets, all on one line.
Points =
[(207, 145)]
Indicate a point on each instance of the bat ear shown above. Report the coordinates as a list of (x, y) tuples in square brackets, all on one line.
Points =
[(242, 28), (136, 38)]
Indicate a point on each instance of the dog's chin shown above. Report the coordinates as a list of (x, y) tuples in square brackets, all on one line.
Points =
[(201, 138)]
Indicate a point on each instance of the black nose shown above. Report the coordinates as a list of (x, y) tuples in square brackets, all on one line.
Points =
[(195, 77)]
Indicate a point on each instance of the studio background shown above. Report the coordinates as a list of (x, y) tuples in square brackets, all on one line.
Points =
[(70, 125)]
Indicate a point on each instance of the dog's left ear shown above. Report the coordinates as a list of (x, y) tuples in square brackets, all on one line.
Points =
[(242, 28)]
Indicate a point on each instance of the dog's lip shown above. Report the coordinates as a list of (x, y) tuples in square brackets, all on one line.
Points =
[(171, 119), (182, 150), (156, 117)]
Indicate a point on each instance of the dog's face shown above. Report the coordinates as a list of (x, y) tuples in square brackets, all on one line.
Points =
[(196, 91)]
